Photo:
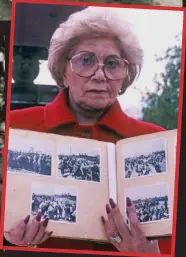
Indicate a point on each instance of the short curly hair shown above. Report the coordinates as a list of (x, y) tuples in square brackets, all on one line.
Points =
[(92, 22)]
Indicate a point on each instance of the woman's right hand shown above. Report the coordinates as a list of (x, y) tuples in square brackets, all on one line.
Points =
[(29, 232), (130, 240)]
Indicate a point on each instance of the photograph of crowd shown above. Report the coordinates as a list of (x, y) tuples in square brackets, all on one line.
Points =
[(57, 203), (77, 163), (151, 202), (145, 158), (29, 157)]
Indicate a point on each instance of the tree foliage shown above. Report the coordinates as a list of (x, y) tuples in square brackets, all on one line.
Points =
[(161, 106)]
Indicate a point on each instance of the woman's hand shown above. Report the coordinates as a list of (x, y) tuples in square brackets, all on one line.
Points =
[(29, 232), (123, 238)]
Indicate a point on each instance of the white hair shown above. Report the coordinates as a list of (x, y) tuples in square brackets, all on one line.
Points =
[(92, 22)]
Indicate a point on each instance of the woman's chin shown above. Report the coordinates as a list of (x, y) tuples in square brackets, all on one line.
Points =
[(97, 105)]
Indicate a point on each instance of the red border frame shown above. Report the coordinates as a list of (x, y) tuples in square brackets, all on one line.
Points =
[(179, 135), (57, 2)]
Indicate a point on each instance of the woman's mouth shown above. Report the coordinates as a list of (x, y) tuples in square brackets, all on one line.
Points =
[(97, 91)]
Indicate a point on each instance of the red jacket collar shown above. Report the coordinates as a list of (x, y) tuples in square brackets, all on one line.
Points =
[(57, 113), (116, 120)]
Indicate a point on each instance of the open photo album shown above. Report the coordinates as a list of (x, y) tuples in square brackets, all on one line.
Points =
[(70, 180)]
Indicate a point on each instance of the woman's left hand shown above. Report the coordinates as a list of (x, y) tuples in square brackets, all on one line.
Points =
[(29, 232), (125, 239)]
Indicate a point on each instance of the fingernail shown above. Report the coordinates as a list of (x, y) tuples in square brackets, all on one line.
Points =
[(102, 219), (38, 217), (129, 203), (112, 203), (107, 209), (45, 222), (50, 233), (26, 220)]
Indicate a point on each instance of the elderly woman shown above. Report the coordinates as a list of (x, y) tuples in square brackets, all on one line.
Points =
[(94, 56)]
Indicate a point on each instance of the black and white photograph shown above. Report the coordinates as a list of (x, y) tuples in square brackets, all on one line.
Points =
[(145, 158), (55, 202), (29, 156), (78, 163), (151, 202)]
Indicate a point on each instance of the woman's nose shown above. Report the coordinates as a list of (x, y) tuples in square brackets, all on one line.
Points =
[(99, 75)]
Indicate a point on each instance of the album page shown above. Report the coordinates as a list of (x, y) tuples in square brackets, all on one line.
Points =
[(65, 178), (146, 174), (111, 153)]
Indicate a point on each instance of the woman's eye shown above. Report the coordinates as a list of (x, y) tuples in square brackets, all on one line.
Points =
[(111, 63), (87, 60)]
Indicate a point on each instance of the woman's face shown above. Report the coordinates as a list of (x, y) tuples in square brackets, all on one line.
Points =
[(96, 92)]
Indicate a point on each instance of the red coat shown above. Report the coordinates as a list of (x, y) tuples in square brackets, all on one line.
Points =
[(57, 118)]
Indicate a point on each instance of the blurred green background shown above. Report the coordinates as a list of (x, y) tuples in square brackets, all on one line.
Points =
[(161, 106)]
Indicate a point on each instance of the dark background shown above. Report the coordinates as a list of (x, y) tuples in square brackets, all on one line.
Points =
[(181, 214), (34, 26), (5, 30), (180, 249), (4, 43), (39, 254)]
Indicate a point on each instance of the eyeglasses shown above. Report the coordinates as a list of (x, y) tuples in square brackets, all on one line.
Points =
[(85, 64)]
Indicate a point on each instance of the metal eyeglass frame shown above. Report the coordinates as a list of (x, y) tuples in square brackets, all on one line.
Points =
[(98, 65)]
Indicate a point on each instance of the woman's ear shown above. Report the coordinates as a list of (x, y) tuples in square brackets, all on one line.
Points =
[(65, 83), (123, 87)]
